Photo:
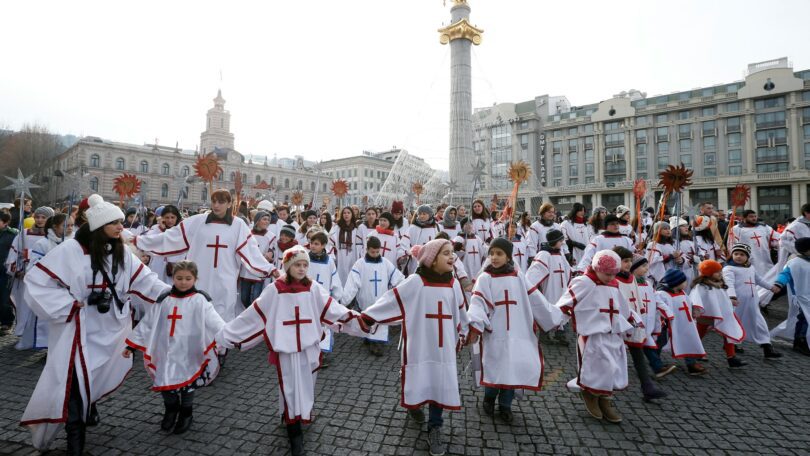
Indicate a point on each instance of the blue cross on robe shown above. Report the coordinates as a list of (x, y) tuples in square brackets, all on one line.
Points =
[(376, 280)]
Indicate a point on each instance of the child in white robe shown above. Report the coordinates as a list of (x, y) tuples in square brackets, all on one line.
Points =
[(475, 251), (423, 229), (551, 273), (742, 279), (637, 339), (600, 316), (250, 283), (163, 265), (345, 236), (609, 238), (686, 246), (430, 307), (391, 247), (177, 340), (509, 353), (661, 254), (371, 276), (683, 334), (322, 269), (709, 292), (289, 317), (520, 249), (285, 241)]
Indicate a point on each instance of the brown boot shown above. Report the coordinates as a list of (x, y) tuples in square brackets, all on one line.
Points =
[(592, 404), (609, 411)]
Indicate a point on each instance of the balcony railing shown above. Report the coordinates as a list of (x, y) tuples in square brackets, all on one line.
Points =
[(642, 140), (771, 124), (614, 143), (684, 135), (733, 128)]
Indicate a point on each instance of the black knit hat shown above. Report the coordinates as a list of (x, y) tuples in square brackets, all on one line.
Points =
[(389, 217), (553, 236), (802, 244), (503, 244), (611, 218)]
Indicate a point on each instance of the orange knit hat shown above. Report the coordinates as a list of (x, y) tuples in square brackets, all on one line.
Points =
[(709, 267)]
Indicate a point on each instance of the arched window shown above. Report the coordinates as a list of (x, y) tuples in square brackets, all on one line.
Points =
[(273, 181), (144, 166), (286, 183), (312, 186), (120, 164), (300, 185), (94, 184), (204, 194), (165, 169), (185, 171), (258, 178), (95, 161), (233, 176), (244, 178), (221, 176), (164, 191)]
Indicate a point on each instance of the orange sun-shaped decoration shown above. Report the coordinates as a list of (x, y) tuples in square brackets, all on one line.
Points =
[(126, 185), (263, 185), (237, 184), (297, 197), (519, 172), (740, 195), (340, 187), (640, 188), (675, 178), (207, 167), (417, 188)]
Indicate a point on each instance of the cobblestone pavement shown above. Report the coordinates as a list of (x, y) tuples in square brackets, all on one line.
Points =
[(762, 409)]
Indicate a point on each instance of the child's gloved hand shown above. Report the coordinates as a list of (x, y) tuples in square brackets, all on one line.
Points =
[(126, 353)]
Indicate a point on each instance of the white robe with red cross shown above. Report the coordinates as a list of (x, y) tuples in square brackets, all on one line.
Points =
[(520, 254), (475, 252), (434, 322), (80, 338), (742, 284), (367, 282), (504, 311), (21, 247), (162, 265), (176, 337), (576, 232), (390, 246), (551, 273), (604, 241), (264, 241), (482, 227), (761, 238), (537, 236), (217, 248), (600, 316), (290, 318), (662, 258), (642, 302), (718, 307), (684, 340), (418, 236)]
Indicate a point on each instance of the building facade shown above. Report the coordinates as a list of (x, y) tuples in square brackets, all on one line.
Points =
[(755, 131), (163, 169), (365, 174)]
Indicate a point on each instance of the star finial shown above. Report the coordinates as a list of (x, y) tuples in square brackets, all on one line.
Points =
[(21, 185)]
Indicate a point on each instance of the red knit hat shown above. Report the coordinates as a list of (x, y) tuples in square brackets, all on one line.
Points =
[(709, 267), (84, 205), (397, 207)]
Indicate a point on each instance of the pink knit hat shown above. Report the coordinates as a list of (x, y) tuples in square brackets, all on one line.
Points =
[(606, 262), (427, 253)]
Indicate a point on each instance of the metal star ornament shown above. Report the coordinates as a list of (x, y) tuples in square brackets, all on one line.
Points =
[(78, 185), (21, 185), (478, 170)]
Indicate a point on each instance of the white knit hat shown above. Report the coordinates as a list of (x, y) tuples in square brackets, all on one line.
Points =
[(293, 254), (101, 213), (266, 206), (621, 210)]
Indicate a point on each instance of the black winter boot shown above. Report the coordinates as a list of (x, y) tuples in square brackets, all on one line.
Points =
[(75, 439), (93, 418), (651, 391), (169, 417), (770, 353), (800, 346), (489, 406), (296, 437), (183, 420)]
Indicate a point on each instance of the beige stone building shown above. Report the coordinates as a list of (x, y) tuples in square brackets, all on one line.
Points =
[(754, 131)]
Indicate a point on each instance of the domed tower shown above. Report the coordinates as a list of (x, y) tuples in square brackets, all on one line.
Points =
[(217, 132)]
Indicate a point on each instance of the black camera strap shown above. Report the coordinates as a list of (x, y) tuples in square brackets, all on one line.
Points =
[(110, 283)]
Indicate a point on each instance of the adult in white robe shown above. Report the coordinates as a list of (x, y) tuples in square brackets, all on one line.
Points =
[(217, 246), (761, 238), (605, 241), (82, 342)]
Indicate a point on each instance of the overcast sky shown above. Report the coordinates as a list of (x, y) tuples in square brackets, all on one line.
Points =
[(328, 79)]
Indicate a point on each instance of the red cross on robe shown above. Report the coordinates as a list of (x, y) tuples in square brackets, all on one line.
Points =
[(561, 272), (506, 302), (756, 237), (174, 316), (439, 316), (216, 246), (297, 322), (610, 310), (750, 283), (685, 309), (385, 248)]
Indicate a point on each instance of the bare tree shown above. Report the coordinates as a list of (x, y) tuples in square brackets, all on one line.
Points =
[(32, 150)]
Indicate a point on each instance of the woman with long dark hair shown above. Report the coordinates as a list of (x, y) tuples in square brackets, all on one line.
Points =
[(347, 242), (82, 288), (170, 217), (575, 229)]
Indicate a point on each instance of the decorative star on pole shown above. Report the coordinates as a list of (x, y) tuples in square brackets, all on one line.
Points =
[(21, 185), (77, 184), (478, 170)]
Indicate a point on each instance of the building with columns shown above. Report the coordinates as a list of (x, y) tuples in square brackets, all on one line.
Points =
[(755, 131)]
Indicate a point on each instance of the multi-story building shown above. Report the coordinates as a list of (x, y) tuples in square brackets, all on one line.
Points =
[(162, 169), (755, 131), (365, 174)]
